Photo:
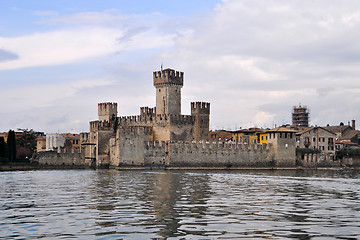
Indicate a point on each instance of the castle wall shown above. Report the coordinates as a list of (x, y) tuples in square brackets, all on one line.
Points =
[(129, 146), (214, 154), (284, 150), (61, 157)]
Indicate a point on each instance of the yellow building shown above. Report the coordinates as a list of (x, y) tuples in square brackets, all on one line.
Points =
[(72, 140), (262, 137), (41, 143), (251, 135), (245, 136), (4, 135)]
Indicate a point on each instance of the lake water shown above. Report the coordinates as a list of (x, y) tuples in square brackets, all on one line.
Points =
[(76, 204)]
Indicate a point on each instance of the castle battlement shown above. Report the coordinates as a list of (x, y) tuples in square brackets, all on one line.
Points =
[(135, 130), (147, 112), (219, 146), (107, 111), (168, 76), (160, 119), (107, 105), (182, 119), (101, 125), (200, 107)]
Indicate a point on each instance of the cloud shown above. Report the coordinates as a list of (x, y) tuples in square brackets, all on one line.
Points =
[(82, 36), (7, 56), (249, 54), (252, 60), (27, 97)]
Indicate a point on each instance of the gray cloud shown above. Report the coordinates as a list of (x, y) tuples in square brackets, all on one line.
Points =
[(7, 56), (252, 59), (129, 34)]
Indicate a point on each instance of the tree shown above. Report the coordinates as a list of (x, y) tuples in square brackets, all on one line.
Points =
[(3, 151), (27, 139), (12, 146)]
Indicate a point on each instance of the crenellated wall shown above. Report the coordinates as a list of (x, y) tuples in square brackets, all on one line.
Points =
[(215, 154), (134, 153), (107, 111), (61, 157)]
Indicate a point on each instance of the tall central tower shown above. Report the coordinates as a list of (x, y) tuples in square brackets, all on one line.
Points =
[(168, 84)]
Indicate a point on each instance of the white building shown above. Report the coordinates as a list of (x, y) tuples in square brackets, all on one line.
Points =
[(54, 141)]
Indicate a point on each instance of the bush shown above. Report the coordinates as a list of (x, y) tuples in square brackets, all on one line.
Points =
[(303, 151), (347, 152)]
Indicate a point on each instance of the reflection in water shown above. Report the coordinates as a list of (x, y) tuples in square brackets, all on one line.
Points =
[(178, 204)]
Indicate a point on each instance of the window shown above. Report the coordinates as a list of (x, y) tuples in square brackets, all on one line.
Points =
[(262, 138), (285, 135), (314, 139), (280, 135), (265, 137)]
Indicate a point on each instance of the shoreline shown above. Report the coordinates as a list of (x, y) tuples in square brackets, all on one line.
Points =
[(32, 167)]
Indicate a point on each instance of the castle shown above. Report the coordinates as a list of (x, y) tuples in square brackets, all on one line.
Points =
[(164, 138)]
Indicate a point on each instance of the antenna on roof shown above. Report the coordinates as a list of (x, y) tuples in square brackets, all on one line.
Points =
[(161, 66)]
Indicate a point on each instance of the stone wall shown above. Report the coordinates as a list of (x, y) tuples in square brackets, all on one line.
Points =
[(283, 151), (319, 160), (63, 157), (193, 154), (215, 154)]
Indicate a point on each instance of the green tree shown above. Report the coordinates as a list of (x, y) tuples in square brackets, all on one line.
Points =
[(12, 145), (4, 157), (27, 139)]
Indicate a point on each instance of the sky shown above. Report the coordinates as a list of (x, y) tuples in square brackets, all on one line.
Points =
[(253, 60)]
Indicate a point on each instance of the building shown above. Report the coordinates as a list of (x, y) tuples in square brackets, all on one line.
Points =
[(220, 135), (163, 137), (262, 136), (41, 144), (250, 136), (341, 129), (55, 141), (300, 116), (317, 138)]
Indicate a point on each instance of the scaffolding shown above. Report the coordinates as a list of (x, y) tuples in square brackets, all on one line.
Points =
[(300, 116)]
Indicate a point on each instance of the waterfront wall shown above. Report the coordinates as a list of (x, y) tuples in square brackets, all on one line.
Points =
[(62, 157), (319, 160), (214, 154), (196, 155)]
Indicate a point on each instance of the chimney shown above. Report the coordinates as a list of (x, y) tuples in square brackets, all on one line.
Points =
[(353, 124)]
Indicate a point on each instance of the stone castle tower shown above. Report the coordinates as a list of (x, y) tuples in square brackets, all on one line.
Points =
[(201, 112), (107, 111), (168, 84)]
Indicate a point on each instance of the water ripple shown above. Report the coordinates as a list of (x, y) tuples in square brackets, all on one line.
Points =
[(179, 205)]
